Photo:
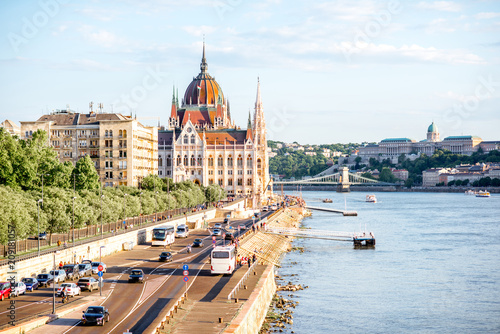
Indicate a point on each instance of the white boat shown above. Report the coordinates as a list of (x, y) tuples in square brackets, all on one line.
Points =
[(482, 193), (371, 199), (470, 192)]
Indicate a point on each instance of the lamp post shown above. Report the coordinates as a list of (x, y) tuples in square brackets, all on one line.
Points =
[(73, 223), (102, 196), (140, 208), (54, 286), (42, 175), (156, 201), (124, 196), (38, 203), (100, 278)]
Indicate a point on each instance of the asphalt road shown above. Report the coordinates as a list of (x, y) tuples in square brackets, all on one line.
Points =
[(134, 306)]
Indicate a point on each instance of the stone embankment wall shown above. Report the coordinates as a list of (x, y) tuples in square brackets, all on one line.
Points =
[(270, 249), (91, 250)]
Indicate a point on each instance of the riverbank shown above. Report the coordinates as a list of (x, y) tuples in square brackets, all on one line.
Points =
[(493, 190)]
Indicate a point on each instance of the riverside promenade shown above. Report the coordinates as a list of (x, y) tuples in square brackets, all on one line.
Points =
[(208, 310)]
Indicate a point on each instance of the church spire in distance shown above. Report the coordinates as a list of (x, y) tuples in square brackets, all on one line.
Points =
[(203, 65)]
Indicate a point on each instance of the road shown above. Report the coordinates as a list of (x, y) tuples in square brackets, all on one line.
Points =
[(134, 306)]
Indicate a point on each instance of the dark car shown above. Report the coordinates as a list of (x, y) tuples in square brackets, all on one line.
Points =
[(166, 256), (198, 243), (42, 236), (85, 269), (95, 315), (45, 279), (31, 283), (227, 220), (72, 271), (5, 290), (229, 236), (88, 283), (137, 275)]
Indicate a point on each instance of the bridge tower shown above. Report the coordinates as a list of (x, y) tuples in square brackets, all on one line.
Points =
[(344, 184)]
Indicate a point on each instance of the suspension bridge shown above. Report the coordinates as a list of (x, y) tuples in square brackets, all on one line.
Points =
[(343, 179)]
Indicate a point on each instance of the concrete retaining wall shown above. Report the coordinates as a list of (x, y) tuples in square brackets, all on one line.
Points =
[(254, 311)]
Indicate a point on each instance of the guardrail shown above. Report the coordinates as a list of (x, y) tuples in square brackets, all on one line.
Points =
[(242, 280)]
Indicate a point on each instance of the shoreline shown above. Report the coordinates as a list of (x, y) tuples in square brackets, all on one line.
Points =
[(493, 190)]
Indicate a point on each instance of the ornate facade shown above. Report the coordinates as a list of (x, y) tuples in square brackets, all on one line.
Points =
[(202, 143)]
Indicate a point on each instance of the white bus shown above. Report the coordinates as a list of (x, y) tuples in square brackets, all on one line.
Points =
[(223, 260), (163, 235)]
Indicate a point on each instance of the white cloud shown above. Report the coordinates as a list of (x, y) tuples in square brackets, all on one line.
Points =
[(101, 37), (445, 6), (99, 13), (199, 30), (486, 15)]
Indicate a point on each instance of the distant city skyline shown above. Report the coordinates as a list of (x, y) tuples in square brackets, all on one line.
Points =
[(330, 72)]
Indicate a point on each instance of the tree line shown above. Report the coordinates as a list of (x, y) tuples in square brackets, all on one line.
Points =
[(35, 187)]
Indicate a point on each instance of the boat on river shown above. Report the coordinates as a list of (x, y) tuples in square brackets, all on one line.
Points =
[(371, 199), (327, 200), (482, 193)]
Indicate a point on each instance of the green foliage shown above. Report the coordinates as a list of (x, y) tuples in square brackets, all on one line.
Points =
[(85, 175), (387, 176)]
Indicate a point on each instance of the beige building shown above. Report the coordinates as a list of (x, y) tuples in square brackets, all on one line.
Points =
[(11, 128), (122, 149)]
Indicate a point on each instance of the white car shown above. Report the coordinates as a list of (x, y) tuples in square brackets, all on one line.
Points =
[(216, 231), (95, 267), (274, 207), (71, 289), (242, 227), (218, 225), (265, 208), (19, 288)]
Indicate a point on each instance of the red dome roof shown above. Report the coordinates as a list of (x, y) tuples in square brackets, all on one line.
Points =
[(205, 87)]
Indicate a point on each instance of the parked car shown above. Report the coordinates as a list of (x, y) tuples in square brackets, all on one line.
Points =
[(85, 269), (4, 290), (31, 283), (137, 275), (19, 288), (87, 261), (88, 283), (45, 279), (166, 257), (265, 208), (274, 207), (217, 225), (216, 231), (95, 266), (95, 315), (198, 243), (71, 289), (72, 271), (59, 275), (42, 236)]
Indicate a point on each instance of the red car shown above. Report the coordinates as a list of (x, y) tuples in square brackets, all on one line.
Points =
[(5, 290)]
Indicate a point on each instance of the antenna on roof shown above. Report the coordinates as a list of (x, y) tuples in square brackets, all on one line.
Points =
[(91, 106), (100, 106)]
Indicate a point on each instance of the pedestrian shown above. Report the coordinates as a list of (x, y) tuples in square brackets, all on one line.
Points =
[(58, 243), (254, 258), (60, 265), (238, 260), (249, 262)]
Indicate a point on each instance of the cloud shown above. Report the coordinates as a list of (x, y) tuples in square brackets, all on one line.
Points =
[(99, 13), (101, 37), (486, 15), (445, 6), (199, 30)]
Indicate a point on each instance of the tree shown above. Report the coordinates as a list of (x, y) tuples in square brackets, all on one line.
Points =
[(451, 183), (409, 183), (387, 176), (357, 160), (85, 174)]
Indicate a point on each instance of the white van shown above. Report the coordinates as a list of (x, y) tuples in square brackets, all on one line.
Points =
[(182, 231)]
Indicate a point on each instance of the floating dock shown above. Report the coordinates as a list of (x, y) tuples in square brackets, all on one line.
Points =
[(344, 212), (359, 239)]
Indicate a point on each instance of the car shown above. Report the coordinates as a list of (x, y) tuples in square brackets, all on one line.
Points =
[(242, 227), (216, 231), (182, 231), (198, 242), (227, 220), (85, 269), (59, 275), (71, 289), (137, 275), (229, 236), (95, 314), (166, 257), (31, 283), (72, 271), (5, 290), (19, 288), (88, 283), (265, 208), (95, 267), (87, 261), (274, 207), (218, 225), (42, 236), (45, 279)]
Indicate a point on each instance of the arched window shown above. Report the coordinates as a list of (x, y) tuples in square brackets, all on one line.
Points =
[(220, 182), (199, 161), (193, 161), (178, 159), (120, 133), (210, 161), (220, 161), (211, 181), (249, 161), (169, 161), (106, 133), (259, 165), (193, 139), (186, 162), (186, 138), (124, 133), (230, 161), (240, 182), (240, 161), (111, 133), (160, 162)]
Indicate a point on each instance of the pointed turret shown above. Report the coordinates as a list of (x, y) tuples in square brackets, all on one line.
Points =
[(249, 124), (173, 112), (203, 65)]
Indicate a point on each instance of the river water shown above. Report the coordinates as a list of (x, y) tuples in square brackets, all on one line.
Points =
[(435, 268)]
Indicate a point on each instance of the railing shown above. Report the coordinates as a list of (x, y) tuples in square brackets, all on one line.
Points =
[(242, 280)]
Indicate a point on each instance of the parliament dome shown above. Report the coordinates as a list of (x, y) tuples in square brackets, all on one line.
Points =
[(203, 90), (432, 128)]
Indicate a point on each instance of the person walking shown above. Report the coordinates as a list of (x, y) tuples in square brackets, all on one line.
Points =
[(254, 258), (249, 262)]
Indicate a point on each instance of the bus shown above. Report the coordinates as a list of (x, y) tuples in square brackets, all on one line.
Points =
[(163, 235), (223, 260)]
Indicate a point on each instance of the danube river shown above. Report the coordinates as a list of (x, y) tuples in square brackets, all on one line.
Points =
[(435, 268)]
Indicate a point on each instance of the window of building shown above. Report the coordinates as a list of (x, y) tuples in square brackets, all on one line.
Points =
[(220, 172), (240, 182), (220, 182), (249, 161), (160, 162), (259, 165), (120, 133), (178, 159), (193, 160), (210, 161), (230, 172), (192, 172), (193, 140), (230, 161), (240, 161), (220, 161), (230, 182), (186, 161), (111, 133), (210, 172), (249, 182), (240, 172), (249, 172), (210, 181), (169, 161), (186, 139)]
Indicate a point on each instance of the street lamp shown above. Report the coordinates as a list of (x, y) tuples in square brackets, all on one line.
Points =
[(73, 223), (102, 196), (42, 175), (156, 200), (124, 223), (140, 208), (38, 203), (100, 278), (54, 286)]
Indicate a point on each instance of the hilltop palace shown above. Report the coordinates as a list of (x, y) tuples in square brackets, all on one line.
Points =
[(202, 143)]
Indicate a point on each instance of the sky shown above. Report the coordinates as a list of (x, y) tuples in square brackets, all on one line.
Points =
[(330, 71)]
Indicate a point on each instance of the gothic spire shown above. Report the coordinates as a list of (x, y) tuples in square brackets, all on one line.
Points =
[(203, 65), (249, 126), (258, 101)]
